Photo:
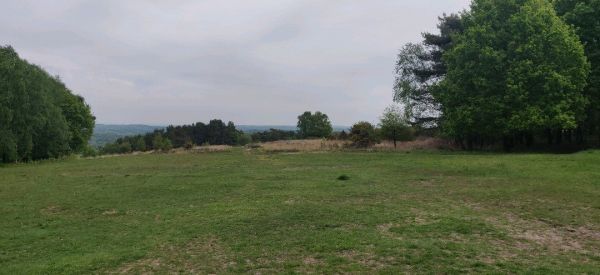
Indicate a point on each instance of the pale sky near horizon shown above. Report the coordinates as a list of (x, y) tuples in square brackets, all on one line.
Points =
[(252, 62)]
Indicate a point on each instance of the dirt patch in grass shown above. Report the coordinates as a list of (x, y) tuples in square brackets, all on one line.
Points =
[(384, 229), (367, 259), (311, 261), (51, 210), (199, 256), (110, 212), (533, 234)]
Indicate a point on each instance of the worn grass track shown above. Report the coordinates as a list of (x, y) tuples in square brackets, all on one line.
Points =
[(242, 211)]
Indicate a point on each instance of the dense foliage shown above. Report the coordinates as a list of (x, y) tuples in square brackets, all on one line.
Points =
[(394, 126), (274, 135), (512, 72), (39, 116), (517, 69), (420, 68), (584, 15), (315, 125), (363, 134), (216, 132)]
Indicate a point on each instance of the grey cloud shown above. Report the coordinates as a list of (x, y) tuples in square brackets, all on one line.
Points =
[(253, 62)]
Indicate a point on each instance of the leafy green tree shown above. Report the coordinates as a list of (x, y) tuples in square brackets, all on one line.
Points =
[(584, 15), (244, 138), (125, 148), (517, 68), (394, 125), (39, 117), (274, 135), (8, 147), (231, 134), (138, 144), (419, 69), (363, 134), (215, 132), (161, 143), (315, 125)]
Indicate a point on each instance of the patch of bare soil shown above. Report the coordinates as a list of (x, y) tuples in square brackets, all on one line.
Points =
[(199, 256), (51, 210), (367, 259), (110, 212)]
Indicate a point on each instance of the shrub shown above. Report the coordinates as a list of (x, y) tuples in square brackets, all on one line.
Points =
[(89, 151), (188, 145), (343, 178), (244, 139), (363, 134)]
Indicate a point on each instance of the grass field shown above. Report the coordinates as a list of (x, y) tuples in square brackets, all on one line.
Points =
[(247, 211)]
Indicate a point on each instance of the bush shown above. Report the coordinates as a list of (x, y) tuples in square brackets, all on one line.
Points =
[(244, 139), (161, 143), (89, 151), (339, 136), (125, 148), (363, 134), (188, 145), (343, 178), (395, 126), (273, 135)]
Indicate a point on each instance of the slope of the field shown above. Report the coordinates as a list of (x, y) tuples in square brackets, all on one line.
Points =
[(244, 211)]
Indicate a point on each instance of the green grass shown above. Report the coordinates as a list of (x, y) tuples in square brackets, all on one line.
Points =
[(241, 211)]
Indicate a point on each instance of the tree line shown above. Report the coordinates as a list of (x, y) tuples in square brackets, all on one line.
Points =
[(215, 132), (507, 72), (393, 126), (39, 116)]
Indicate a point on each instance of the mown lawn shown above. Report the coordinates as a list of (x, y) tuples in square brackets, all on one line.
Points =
[(241, 211)]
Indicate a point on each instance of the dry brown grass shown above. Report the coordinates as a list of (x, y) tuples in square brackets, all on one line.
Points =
[(308, 145), (197, 149), (199, 256), (315, 145), (418, 144), (551, 238), (211, 148)]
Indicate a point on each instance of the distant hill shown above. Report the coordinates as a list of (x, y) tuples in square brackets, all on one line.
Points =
[(107, 133), (261, 128)]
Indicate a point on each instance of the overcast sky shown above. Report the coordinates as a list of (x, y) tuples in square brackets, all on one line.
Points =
[(249, 61)]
